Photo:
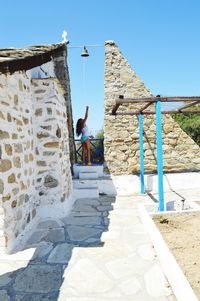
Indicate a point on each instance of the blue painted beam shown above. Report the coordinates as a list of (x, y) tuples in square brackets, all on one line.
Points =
[(141, 153), (159, 155)]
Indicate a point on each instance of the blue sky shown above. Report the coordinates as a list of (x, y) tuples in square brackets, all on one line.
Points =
[(159, 38)]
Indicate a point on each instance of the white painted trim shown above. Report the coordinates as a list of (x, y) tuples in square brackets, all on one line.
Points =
[(173, 272), (18, 244), (58, 210), (55, 211)]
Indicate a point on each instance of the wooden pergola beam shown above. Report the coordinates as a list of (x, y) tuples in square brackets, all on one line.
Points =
[(150, 100), (131, 113), (189, 105), (153, 99), (146, 106)]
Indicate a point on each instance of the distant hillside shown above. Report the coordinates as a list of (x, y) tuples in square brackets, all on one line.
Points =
[(190, 123)]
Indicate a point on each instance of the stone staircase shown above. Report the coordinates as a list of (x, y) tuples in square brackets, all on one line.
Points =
[(81, 187)]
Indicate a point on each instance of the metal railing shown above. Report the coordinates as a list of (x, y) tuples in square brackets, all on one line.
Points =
[(96, 150)]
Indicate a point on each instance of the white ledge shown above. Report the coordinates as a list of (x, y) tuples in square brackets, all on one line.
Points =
[(179, 283)]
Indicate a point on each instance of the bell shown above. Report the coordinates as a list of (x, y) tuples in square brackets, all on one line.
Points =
[(85, 52)]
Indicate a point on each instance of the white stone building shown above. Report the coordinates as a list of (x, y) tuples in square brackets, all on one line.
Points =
[(36, 138)]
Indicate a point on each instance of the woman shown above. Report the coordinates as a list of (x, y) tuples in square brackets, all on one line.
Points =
[(81, 128)]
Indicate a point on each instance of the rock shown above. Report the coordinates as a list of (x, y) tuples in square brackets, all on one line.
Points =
[(130, 286), (48, 224), (20, 85), (6, 197), (34, 213), (42, 251), (37, 237), (30, 157), (99, 283), (41, 163), (38, 279), (61, 253), (18, 148), (55, 235), (5, 165), (17, 162), (8, 149), (4, 134), (16, 100), (48, 153), (38, 112), (81, 221), (86, 201), (105, 208), (11, 178), (14, 204), (49, 111), (50, 181), (4, 296), (78, 233), (52, 144), (42, 135), (33, 297), (38, 91), (1, 186)]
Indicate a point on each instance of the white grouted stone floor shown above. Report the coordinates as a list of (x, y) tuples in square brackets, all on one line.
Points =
[(101, 252)]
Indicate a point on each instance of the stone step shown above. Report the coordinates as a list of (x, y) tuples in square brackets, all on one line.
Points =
[(87, 175), (85, 168), (83, 184), (86, 192)]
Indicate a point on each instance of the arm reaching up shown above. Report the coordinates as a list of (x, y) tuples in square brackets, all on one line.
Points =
[(86, 116)]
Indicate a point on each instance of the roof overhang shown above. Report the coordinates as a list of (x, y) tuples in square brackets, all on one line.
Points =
[(12, 60)]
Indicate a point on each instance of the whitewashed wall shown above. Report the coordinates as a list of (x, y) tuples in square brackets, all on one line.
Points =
[(34, 162)]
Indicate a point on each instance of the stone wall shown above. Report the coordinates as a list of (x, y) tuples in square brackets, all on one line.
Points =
[(17, 163), (53, 175), (180, 152), (34, 148)]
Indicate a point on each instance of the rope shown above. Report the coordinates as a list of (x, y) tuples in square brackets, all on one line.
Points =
[(84, 82)]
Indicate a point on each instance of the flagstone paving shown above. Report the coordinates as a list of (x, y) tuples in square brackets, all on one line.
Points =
[(101, 252)]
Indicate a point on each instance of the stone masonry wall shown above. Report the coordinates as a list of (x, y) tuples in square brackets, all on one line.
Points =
[(17, 163), (180, 152), (53, 175), (34, 150)]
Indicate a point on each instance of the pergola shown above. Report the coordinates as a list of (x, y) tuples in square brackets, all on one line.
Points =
[(145, 103)]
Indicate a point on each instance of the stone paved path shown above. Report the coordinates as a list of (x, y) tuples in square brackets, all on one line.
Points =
[(101, 252)]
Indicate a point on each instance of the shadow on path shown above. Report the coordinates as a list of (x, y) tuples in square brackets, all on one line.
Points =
[(42, 277)]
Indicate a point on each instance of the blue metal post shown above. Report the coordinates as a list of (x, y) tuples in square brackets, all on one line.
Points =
[(141, 153), (159, 155)]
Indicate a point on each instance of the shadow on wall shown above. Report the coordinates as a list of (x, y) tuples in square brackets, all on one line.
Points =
[(62, 245)]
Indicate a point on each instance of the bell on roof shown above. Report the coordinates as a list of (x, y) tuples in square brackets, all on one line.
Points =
[(85, 52)]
